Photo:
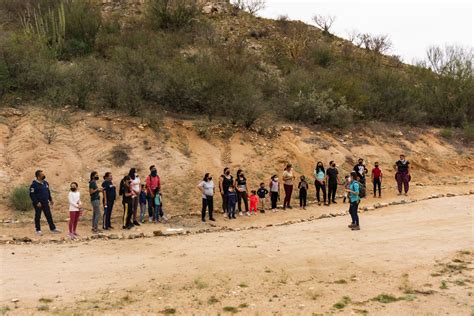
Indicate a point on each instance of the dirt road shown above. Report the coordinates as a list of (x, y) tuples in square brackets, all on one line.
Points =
[(418, 255)]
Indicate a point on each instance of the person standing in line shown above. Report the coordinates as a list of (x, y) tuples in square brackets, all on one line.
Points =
[(347, 183), (361, 170), (274, 192), (157, 207), (40, 196), (303, 186), (354, 200), (242, 195), (288, 178), (75, 209), (225, 182), (133, 174), (207, 188), (320, 182), (262, 196), (231, 201), (377, 179), (94, 192), (402, 174), (253, 202), (109, 195), (152, 183), (127, 201), (143, 201), (332, 175)]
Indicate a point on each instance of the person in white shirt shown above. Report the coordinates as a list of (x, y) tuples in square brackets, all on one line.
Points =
[(133, 174), (75, 209), (207, 188)]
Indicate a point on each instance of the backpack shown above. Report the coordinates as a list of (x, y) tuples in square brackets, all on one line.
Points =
[(362, 193)]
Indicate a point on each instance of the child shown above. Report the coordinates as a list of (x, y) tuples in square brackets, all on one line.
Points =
[(231, 201), (75, 209), (303, 186), (377, 179), (157, 200), (262, 192), (346, 187), (253, 202), (274, 191), (142, 200)]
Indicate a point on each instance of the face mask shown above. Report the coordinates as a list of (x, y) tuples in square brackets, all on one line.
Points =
[(376, 166), (154, 173), (210, 178), (43, 177), (227, 173), (96, 178), (136, 175), (276, 179), (73, 189)]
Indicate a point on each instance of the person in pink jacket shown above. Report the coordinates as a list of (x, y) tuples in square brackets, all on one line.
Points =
[(152, 183)]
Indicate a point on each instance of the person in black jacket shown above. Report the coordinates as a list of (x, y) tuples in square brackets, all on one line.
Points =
[(361, 171), (40, 195)]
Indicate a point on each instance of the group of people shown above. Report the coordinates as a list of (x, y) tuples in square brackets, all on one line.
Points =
[(138, 197), (235, 195)]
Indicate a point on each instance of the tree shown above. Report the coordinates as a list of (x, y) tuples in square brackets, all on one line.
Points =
[(378, 44), (324, 22), (251, 6)]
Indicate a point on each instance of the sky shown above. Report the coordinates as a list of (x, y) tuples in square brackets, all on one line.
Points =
[(413, 26)]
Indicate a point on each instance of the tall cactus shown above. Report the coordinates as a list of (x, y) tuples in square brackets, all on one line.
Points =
[(47, 26)]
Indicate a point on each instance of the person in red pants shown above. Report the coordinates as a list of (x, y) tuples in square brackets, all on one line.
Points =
[(402, 176), (75, 209)]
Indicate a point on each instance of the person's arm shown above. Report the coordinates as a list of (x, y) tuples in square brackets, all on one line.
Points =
[(104, 193), (50, 198), (158, 185), (200, 187), (408, 167), (71, 200), (221, 184), (33, 196)]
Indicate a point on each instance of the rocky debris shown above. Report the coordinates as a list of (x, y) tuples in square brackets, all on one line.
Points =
[(450, 195), (211, 8), (22, 239), (113, 236), (9, 112), (135, 236), (286, 128)]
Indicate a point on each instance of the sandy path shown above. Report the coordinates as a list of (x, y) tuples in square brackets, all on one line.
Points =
[(287, 269)]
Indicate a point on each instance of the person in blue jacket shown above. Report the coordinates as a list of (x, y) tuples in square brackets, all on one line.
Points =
[(40, 195), (354, 199)]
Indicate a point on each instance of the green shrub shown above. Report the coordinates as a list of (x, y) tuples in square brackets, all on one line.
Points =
[(446, 133), (468, 133), (20, 198), (172, 14), (322, 55)]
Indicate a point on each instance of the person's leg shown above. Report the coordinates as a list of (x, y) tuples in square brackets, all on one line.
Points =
[(76, 220), (305, 197), (96, 214), (135, 208), (290, 193), (406, 183), (38, 211), (151, 206), (129, 213), (71, 222), (110, 207), (124, 218), (239, 201), (318, 189), (398, 176), (351, 213), (356, 213), (210, 205), (323, 189), (379, 185), (49, 217), (203, 209), (104, 217), (245, 197)]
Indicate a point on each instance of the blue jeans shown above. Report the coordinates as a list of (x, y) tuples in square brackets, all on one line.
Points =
[(353, 208), (158, 212)]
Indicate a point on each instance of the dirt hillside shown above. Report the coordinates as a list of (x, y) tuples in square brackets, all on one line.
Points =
[(184, 149)]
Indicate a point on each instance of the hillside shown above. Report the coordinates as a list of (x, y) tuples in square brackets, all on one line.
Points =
[(184, 149), (144, 57)]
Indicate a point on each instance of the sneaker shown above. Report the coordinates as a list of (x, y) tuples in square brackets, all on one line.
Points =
[(203, 220), (290, 207), (304, 207), (72, 236), (319, 203), (241, 214), (124, 227), (143, 221), (212, 219), (56, 231), (150, 220), (136, 223), (164, 218), (351, 225), (262, 211), (76, 234), (334, 202), (39, 233), (273, 210), (356, 227), (110, 227), (248, 214), (233, 216)]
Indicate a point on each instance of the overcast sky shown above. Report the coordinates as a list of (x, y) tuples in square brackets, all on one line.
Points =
[(413, 25)]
